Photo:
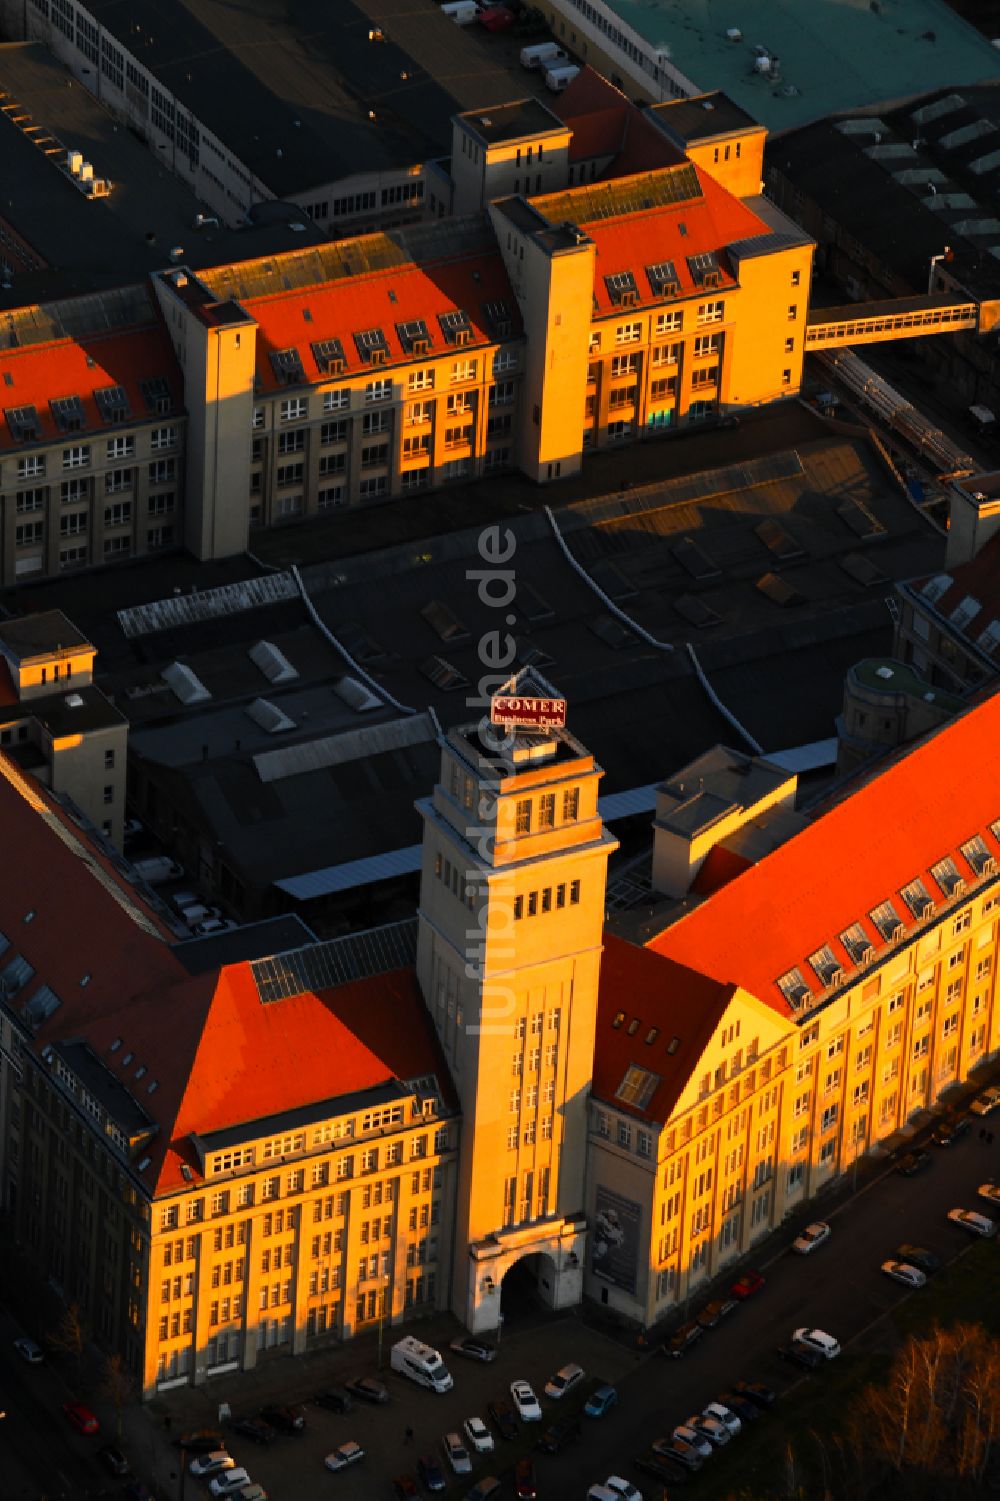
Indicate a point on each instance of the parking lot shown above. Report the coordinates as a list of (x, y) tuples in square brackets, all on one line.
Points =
[(839, 1288)]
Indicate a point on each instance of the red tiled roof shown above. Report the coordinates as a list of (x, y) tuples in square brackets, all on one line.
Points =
[(861, 852), (340, 309), (44, 372), (634, 241), (682, 1003), (587, 93), (980, 578)]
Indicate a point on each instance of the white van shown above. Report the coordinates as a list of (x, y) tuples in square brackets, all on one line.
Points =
[(556, 79), (157, 868), (462, 12), (543, 55), (423, 1364)]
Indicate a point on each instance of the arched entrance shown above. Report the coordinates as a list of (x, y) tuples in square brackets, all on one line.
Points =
[(528, 1286), (521, 1272)]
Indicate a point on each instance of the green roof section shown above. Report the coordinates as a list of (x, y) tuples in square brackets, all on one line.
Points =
[(886, 675), (834, 55)]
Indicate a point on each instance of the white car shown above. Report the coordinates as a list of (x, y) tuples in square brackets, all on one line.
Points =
[(479, 1435), (818, 1339), (723, 1415), (228, 1482), (976, 1224), (29, 1351), (990, 1192), (902, 1271), (524, 1399), (717, 1433), (212, 925), (456, 1454), (811, 1237), (344, 1455), (987, 1101), (699, 1443), (621, 1487), (564, 1381), (212, 1464)]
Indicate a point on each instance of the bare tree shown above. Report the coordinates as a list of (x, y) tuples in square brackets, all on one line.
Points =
[(117, 1386), (69, 1337)]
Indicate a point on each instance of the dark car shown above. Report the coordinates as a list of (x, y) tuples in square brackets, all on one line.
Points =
[(745, 1410), (748, 1283), (255, 1428), (488, 1488), (919, 1256), (501, 1415), (757, 1392), (914, 1162), (113, 1459), (285, 1419), (671, 1472), (679, 1452), (475, 1349), (951, 1129), (368, 1389), (682, 1339), (525, 1481), (404, 1488), (201, 1441), (558, 1435), (713, 1313), (138, 1490), (804, 1356), (430, 1472), (333, 1400)]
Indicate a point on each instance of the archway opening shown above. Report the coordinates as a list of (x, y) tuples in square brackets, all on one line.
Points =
[(528, 1287)]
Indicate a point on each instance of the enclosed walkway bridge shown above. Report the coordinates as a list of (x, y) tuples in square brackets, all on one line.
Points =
[(900, 318)]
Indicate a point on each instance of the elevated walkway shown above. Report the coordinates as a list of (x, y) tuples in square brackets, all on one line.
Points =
[(900, 318)]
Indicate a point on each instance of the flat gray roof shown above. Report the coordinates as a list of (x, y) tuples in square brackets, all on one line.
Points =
[(511, 122), (289, 88)]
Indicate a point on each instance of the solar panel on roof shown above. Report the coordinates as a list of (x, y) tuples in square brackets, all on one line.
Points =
[(329, 356), (113, 403), (614, 199), (287, 366), (323, 966), (68, 413), (24, 424)]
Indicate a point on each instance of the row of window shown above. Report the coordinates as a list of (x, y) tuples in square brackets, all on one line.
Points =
[(33, 466)]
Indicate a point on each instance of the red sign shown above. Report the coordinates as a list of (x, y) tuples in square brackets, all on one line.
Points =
[(539, 713)]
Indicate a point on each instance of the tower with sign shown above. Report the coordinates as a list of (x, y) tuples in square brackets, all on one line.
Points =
[(511, 918)]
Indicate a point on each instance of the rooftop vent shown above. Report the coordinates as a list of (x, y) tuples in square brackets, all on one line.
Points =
[(272, 663), (269, 717), (73, 701), (185, 684), (356, 695)]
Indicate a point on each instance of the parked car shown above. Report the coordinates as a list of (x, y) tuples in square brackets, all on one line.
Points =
[(29, 1352), (724, 1415), (902, 1271), (756, 1391), (986, 1101), (711, 1428), (254, 1428), (914, 1162), (285, 1419), (686, 1435), (601, 1400), (663, 1467), (918, 1256), (559, 1434), (525, 1401), (200, 1440), (404, 1488), (678, 1343), (501, 1415), (487, 1488), (951, 1128), (345, 1454), (974, 1222), (132, 828), (525, 1480), (682, 1453), (212, 1464), (368, 1389), (804, 1356), (81, 1417), (812, 1237), (990, 1192), (456, 1454), (333, 1400), (746, 1285), (228, 1482), (431, 1473), (713, 1313), (818, 1339), (475, 1349), (741, 1406), (622, 1488), (479, 1436), (212, 925), (564, 1381), (113, 1459)]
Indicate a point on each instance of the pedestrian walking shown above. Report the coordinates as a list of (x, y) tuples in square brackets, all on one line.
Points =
[(409, 1436), (989, 1138)]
